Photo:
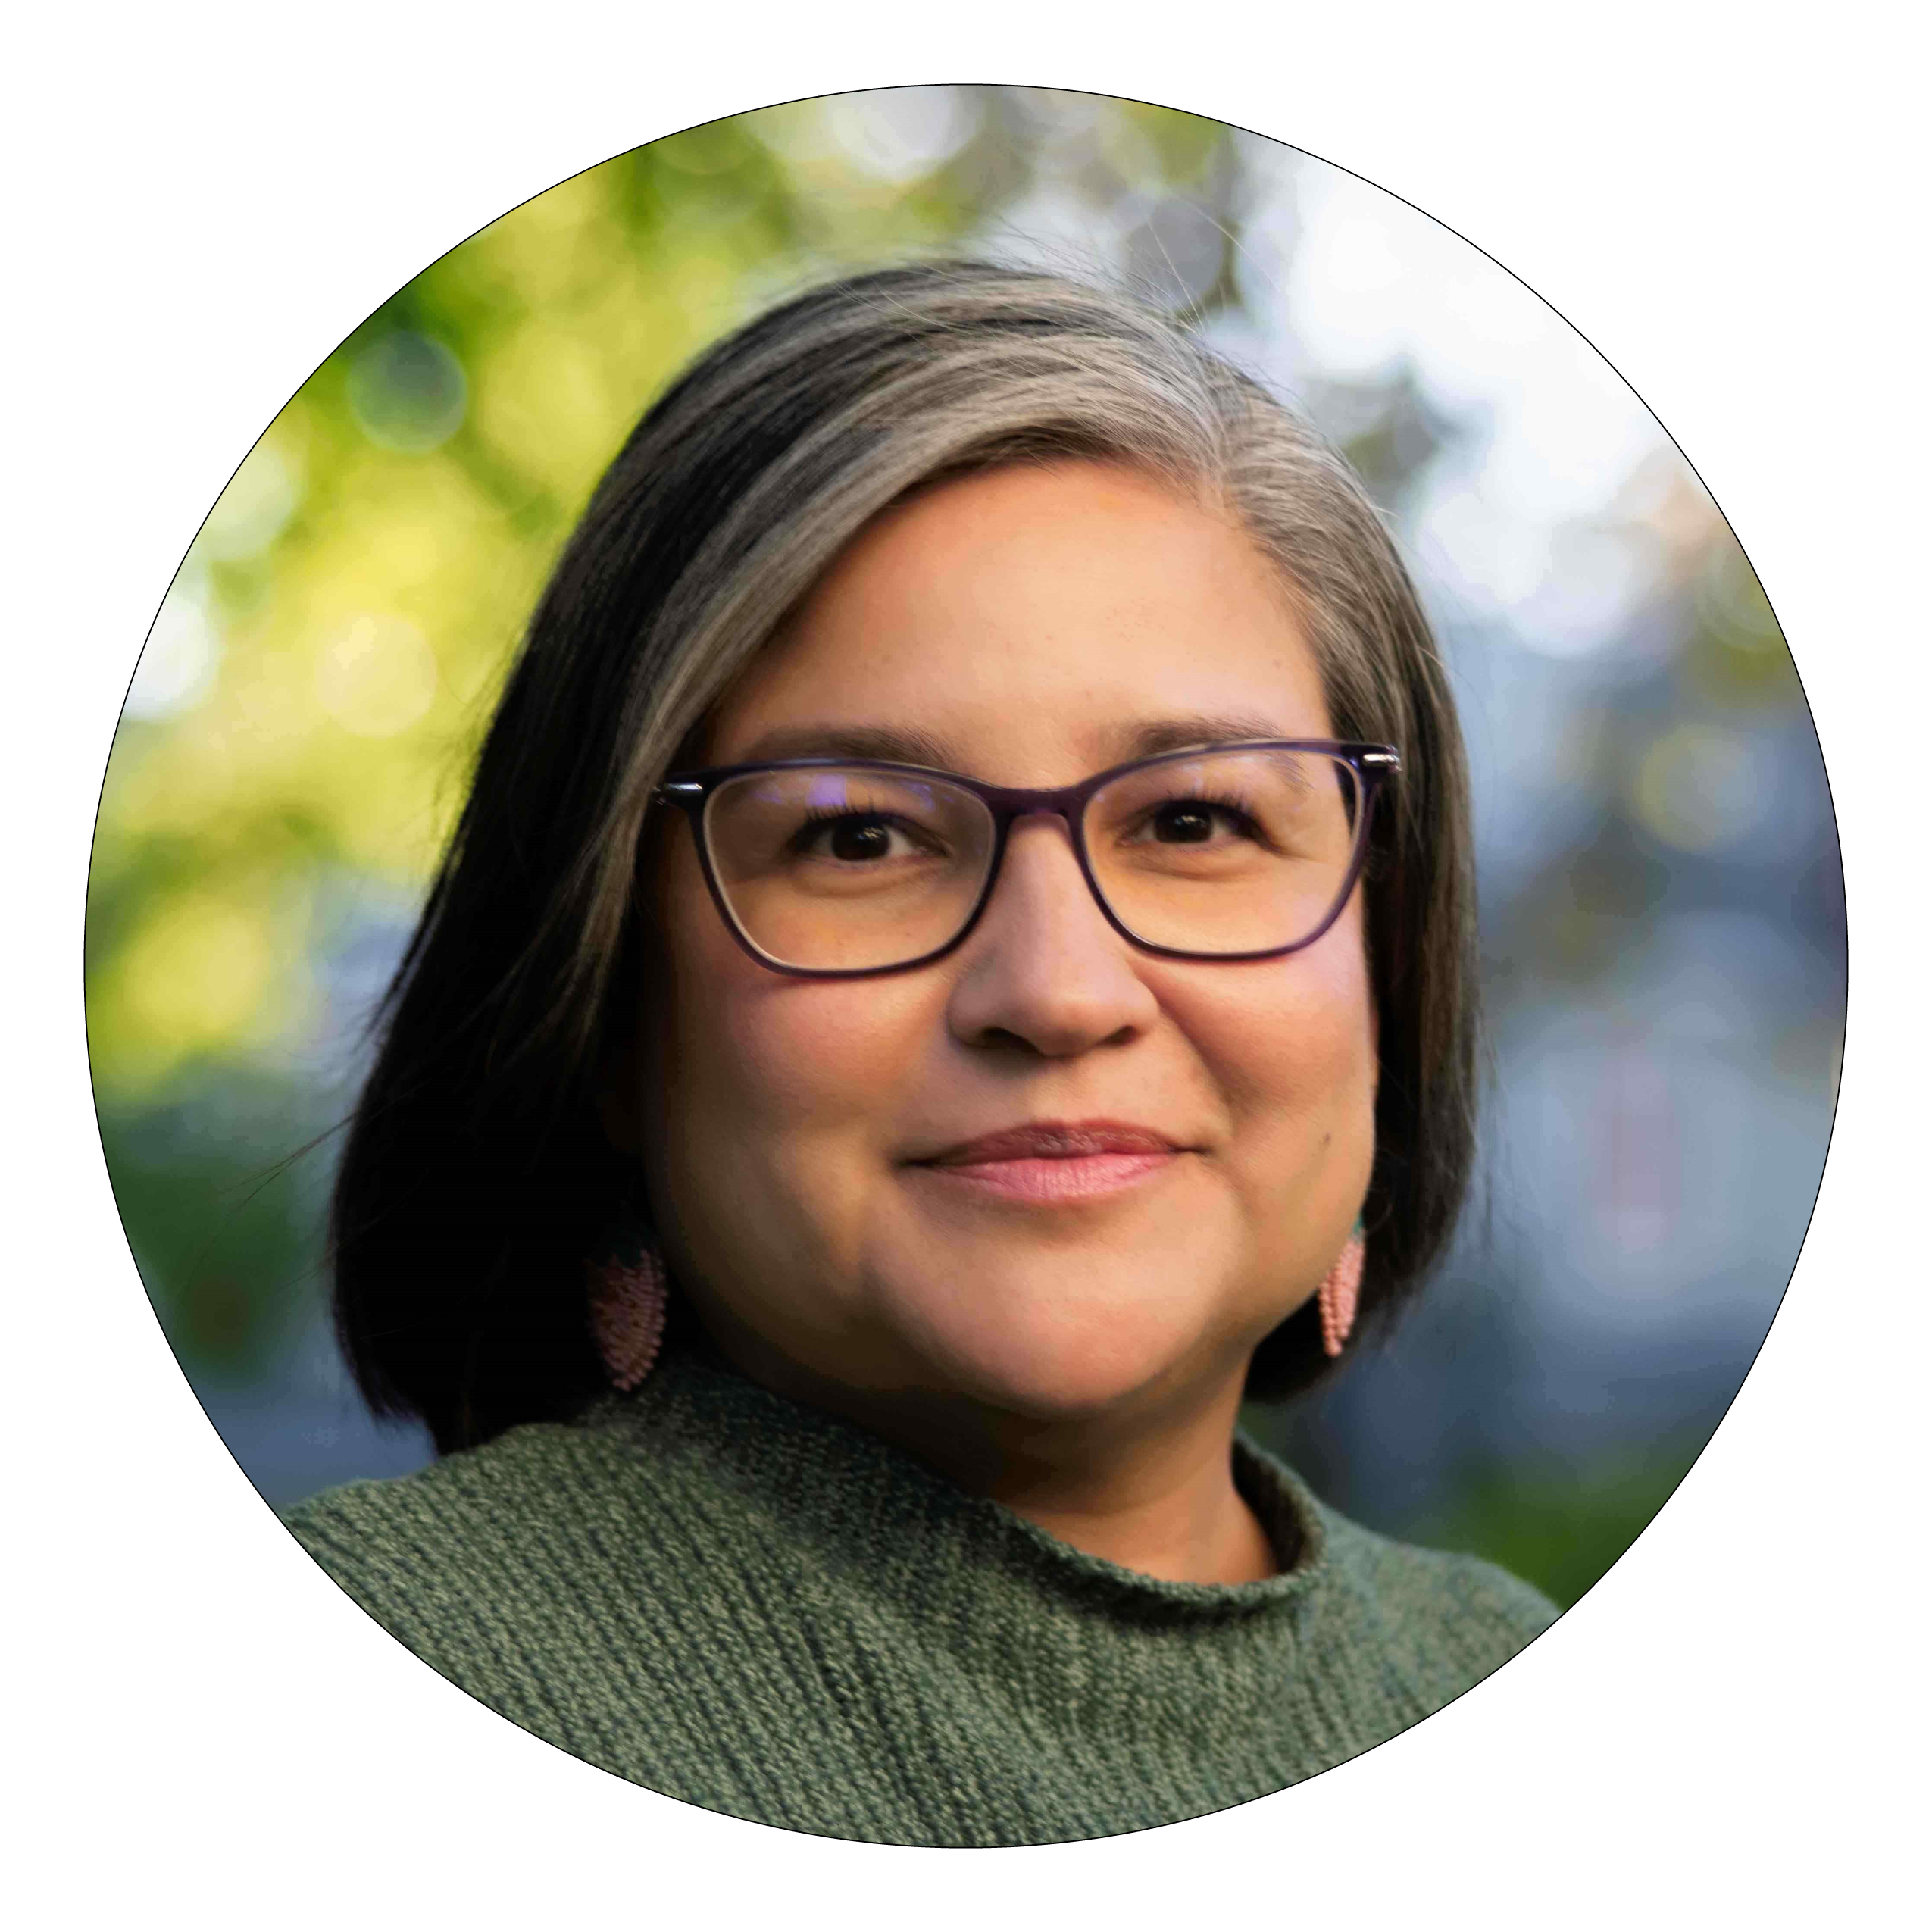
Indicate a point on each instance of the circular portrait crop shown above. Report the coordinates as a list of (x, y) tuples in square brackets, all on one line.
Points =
[(965, 966)]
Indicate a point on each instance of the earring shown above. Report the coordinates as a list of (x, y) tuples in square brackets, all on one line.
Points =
[(629, 1297), (1340, 1288)]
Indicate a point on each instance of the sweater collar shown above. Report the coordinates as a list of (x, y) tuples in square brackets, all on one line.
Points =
[(851, 1500)]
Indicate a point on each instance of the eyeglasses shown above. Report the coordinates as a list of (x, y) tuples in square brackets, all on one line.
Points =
[(828, 868)]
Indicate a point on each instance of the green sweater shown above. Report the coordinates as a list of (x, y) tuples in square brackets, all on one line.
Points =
[(740, 1601)]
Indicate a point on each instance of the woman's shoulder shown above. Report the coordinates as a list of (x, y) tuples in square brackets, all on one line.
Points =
[(1434, 1615), (550, 1572), (465, 1527)]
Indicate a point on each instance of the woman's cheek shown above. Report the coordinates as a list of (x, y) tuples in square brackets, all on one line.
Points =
[(811, 1065), (1293, 1037)]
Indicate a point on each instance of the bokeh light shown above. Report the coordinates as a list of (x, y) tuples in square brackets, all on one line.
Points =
[(407, 392)]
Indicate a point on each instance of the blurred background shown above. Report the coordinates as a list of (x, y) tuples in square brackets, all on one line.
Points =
[(1663, 922)]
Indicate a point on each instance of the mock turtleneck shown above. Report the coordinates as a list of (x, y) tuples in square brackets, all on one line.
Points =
[(740, 1601)]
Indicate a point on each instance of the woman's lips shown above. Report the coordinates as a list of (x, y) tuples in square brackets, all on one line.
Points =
[(1062, 1177), (1051, 1140)]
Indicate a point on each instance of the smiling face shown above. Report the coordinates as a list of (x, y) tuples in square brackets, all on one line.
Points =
[(1028, 626)]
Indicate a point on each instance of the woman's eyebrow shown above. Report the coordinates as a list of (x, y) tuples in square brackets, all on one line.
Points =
[(1121, 744), (1150, 737), (894, 744)]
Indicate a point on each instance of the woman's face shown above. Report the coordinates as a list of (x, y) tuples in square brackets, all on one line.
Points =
[(1030, 624)]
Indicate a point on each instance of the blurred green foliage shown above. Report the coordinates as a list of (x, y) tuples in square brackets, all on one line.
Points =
[(206, 1214), (1557, 1526)]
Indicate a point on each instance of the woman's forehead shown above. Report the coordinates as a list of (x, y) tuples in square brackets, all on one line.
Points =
[(1078, 614)]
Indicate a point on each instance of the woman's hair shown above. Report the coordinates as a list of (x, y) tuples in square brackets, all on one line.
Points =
[(477, 1182)]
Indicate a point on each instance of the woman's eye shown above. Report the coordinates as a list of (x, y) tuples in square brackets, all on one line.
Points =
[(852, 841), (1191, 822)]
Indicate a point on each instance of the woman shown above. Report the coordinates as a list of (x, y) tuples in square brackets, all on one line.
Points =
[(954, 970)]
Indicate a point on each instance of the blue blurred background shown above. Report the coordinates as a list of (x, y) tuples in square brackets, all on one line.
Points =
[(1663, 912)]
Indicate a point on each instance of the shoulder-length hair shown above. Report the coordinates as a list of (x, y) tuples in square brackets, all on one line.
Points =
[(476, 1176)]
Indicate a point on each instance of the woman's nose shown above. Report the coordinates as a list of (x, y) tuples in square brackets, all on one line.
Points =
[(1043, 969)]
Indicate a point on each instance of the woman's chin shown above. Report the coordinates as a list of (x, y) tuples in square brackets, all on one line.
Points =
[(1063, 1356)]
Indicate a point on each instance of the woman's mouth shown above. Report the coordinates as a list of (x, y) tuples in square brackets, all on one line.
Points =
[(1054, 1181)]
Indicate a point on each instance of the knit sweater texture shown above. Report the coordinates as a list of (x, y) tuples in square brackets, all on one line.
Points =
[(740, 1601)]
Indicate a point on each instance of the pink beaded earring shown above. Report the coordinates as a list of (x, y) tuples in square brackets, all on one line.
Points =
[(628, 1300), (1341, 1287)]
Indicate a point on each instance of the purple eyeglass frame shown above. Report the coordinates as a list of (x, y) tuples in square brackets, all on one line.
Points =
[(690, 791)]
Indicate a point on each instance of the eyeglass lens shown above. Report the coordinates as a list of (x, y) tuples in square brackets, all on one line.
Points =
[(841, 869)]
